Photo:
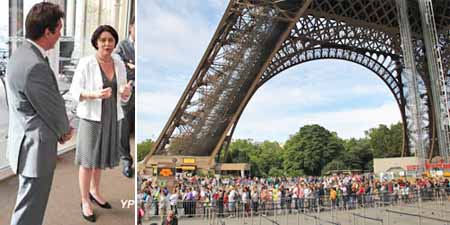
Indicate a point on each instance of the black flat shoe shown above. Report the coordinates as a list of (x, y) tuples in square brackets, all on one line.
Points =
[(127, 171), (90, 218), (105, 205)]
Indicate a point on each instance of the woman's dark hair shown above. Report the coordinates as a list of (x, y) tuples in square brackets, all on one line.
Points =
[(42, 16), (100, 30)]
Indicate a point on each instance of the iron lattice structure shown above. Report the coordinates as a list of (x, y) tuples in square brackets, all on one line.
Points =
[(257, 40)]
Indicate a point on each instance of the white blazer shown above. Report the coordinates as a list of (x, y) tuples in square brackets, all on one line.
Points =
[(88, 77)]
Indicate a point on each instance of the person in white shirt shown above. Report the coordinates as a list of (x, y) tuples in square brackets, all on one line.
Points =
[(173, 198), (232, 202)]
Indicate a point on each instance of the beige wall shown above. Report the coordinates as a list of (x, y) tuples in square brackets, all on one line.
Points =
[(200, 162), (384, 164)]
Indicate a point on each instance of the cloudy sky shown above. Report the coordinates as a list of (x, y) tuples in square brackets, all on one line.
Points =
[(172, 37)]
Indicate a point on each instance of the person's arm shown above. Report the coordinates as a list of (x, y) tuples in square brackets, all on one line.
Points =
[(124, 86), (78, 86), (42, 92), (121, 51)]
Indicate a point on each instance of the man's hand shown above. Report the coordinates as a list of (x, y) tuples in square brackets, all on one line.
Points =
[(67, 136), (125, 90), (131, 66)]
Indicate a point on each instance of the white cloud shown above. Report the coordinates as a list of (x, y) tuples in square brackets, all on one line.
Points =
[(169, 37), (347, 123), (218, 4), (148, 130), (157, 103), (154, 109), (278, 98), (368, 89), (341, 96)]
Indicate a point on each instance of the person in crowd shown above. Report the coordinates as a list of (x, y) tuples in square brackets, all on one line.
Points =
[(333, 197), (140, 213), (100, 86), (171, 219), (37, 114), (220, 203), (255, 199), (174, 200), (163, 203), (334, 188), (125, 49), (232, 197)]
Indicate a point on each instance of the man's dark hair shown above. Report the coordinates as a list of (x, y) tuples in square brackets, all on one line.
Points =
[(132, 21), (42, 16), (100, 30)]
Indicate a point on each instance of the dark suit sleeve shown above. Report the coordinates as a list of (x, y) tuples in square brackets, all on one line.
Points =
[(121, 51), (124, 52), (43, 94)]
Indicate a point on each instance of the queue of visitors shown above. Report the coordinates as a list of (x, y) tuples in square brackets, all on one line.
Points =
[(202, 196)]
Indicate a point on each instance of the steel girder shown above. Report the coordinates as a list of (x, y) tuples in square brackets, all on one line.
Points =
[(257, 40), (246, 38)]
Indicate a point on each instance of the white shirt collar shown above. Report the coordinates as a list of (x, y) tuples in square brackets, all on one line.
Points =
[(43, 52)]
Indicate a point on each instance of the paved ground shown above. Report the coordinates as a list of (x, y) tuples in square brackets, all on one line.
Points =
[(64, 203), (439, 210)]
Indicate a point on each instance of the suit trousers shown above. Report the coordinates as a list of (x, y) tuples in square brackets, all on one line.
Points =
[(127, 128), (32, 198)]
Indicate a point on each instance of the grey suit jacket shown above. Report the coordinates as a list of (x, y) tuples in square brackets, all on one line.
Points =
[(37, 113), (125, 49)]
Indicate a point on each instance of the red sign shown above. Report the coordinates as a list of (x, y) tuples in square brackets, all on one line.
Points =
[(166, 172), (429, 166)]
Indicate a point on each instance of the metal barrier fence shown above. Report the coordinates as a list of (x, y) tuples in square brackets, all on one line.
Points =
[(421, 219), (364, 218), (308, 211)]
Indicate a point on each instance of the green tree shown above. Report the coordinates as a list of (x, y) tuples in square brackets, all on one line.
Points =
[(358, 153), (144, 148), (310, 149), (268, 156), (335, 164), (238, 152), (262, 157), (386, 141)]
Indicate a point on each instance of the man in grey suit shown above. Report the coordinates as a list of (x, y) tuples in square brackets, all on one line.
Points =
[(37, 114), (125, 49)]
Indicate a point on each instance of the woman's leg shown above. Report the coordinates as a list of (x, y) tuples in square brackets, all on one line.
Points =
[(84, 177), (95, 185)]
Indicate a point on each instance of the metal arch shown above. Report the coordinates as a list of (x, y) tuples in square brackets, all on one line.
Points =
[(369, 64), (242, 50), (385, 73), (218, 76), (444, 45), (313, 32)]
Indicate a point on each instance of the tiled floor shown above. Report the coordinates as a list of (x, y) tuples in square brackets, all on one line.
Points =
[(64, 203)]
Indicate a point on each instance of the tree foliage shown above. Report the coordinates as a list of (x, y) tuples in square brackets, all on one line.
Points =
[(358, 153), (144, 148), (386, 141), (310, 149), (314, 150), (261, 157), (335, 164)]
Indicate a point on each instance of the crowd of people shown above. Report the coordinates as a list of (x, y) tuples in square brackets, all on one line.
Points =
[(194, 195)]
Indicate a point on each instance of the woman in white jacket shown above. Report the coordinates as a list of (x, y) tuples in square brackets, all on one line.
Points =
[(99, 85)]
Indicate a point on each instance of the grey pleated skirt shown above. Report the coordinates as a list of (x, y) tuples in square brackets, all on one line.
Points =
[(98, 143)]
